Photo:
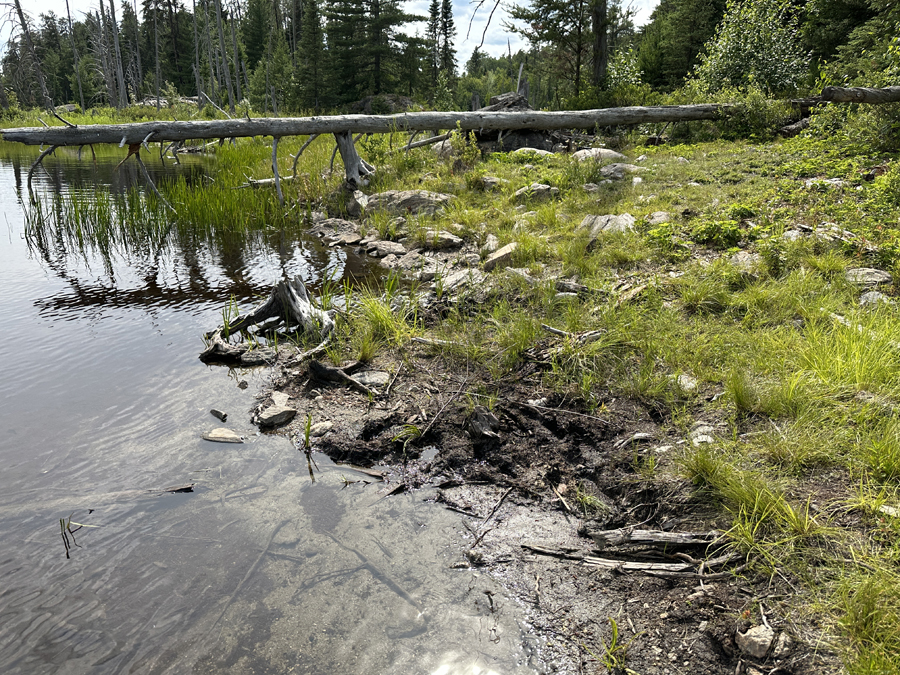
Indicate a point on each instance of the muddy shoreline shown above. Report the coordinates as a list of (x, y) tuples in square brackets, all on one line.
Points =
[(530, 485)]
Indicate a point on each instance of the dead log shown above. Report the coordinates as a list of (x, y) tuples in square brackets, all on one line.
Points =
[(289, 302), (627, 535), (861, 95)]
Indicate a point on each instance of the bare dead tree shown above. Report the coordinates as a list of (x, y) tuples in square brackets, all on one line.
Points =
[(36, 64)]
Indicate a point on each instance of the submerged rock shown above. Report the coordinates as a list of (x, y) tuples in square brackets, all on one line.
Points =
[(222, 435), (259, 357)]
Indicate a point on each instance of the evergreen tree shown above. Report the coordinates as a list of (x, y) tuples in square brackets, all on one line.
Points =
[(311, 66), (447, 56), (255, 31)]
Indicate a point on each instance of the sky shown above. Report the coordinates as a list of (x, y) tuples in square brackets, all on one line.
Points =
[(495, 40)]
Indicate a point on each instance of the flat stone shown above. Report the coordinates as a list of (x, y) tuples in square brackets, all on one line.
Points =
[(618, 171), (320, 429), (222, 435), (702, 439), (537, 192), (658, 218), (756, 641), (390, 261), (403, 202), (868, 277), (372, 378), (682, 160), (259, 357), (500, 257), (491, 244), (598, 154), (349, 239), (442, 240), (597, 225), (276, 415), (590, 187), (792, 235), (874, 299), (280, 398), (456, 281), (686, 384), (491, 183), (384, 248), (531, 151)]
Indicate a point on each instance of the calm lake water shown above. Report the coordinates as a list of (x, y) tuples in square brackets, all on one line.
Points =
[(259, 570)]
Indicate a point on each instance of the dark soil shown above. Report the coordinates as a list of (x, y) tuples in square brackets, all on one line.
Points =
[(555, 473)]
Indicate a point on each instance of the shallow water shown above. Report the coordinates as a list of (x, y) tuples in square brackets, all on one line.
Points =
[(259, 570)]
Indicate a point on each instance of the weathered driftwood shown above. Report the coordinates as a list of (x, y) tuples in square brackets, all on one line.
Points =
[(288, 303), (340, 375), (627, 535), (686, 569), (861, 95)]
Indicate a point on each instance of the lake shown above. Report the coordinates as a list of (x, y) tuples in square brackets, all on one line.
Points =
[(259, 569)]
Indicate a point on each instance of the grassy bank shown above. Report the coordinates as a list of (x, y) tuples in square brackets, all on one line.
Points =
[(743, 290)]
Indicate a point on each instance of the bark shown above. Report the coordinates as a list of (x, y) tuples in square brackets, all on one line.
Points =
[(117, 53), (861, 95), (599, 25), (197, 57), (627, 535), (225, 66)]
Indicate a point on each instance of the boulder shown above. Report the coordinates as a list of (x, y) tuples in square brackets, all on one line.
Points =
[(658, 218), (531, 151), (276, 415), (875, 299), (597, 225), (222, 435), (537, 192), (442, 240), (868, 277), (403, 202), (598, 154), (356, 204), (460, 279), (618, 171), (501, 257), (444, 149), (491, 244), (380, 248)]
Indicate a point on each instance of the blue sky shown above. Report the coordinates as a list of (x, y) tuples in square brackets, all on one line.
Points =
[(495, 42)]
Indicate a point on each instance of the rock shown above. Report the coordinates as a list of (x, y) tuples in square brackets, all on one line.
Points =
[(531, 151), (372, 378), (442, 240), (490, 183), (792, 235), (685, 383), (637, 180), (756, 641), (276, 415), (403, 202), (598, 154), (219, 414), (618, 171), (318, 217), (491, 244), (537, 192), (456, 281), (642, 158), (336, 226), (682, 160), (658, 218), (259, 357), (383, 248), (874, 299), (502, 257), (597, 225), (868, 277), (280, 398), (444, 149), (222, 435), (483, 424), (746, 262), (390, 261), (356, 204), (824, 183), (348, 239), (783, 646), (319, 429)]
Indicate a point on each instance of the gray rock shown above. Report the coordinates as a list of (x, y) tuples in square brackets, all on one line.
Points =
[(491, 244), (348, 239), (591, 187), (501, 257), (319, 429), (682, 160), (403, 202), (874, 299), (746, 262), (280, 397), (444, 149), (531, 151), (442, 240), (218, 414), (276, 415), (259, 357), (637, 180), (598, 154), (491, 183), (390, 261), (642, 158), (356, 204), (317, 217), (783, 646), (824, 183), (658, 218), (756, 642), (685, 383), (537, 192), (336, 226), (456, 281), (868, 277), (222, 435), (384, 248), (597, 225), (618, 171), (792, 235), (372, 378)]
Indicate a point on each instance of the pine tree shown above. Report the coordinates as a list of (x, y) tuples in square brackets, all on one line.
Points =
[(255, 31), (447, 57), (311, 65)]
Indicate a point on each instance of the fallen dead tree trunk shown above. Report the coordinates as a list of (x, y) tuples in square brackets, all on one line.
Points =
[(628, 535), (289, 304), (861, 95), (161, 131)]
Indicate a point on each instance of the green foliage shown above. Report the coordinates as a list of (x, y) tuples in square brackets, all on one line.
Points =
[(757, 44)]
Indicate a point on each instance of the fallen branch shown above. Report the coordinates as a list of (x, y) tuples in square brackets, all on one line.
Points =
[(628, 535), (330, 374)]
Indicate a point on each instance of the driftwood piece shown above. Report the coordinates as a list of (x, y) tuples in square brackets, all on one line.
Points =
[(685, 569), (330, 374), (628, 535), (288, 301), (861, 95)]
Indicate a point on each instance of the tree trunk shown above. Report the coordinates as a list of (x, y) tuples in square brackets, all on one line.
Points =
[(237, 69), (599, 24), (75, 56), (156, 51), (225, 66), (48, 103), (120, 76), (137, 48), (197, 56), (861, 95)]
